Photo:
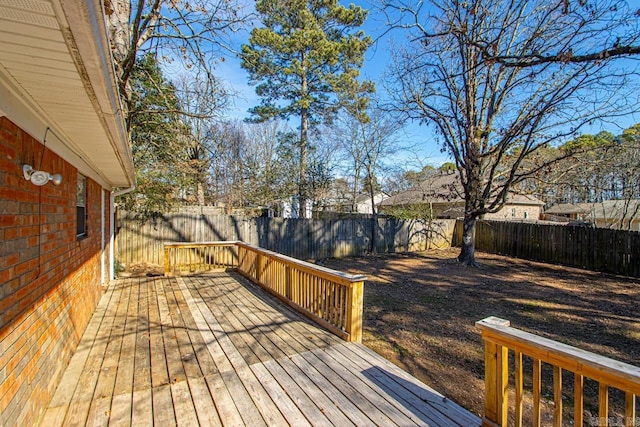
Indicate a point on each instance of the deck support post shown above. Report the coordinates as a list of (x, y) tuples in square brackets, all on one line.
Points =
[(496, 380), (167, 264), (354, 311)]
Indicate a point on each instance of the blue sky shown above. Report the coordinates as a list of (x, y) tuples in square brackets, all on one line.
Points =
[(425, 150)]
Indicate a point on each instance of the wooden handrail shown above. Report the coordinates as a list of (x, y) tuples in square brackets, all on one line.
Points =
[(329, 297), (500, 337), (335, 275), (197, 256)]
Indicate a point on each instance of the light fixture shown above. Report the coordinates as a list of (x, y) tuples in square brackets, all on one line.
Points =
[(40, 178)]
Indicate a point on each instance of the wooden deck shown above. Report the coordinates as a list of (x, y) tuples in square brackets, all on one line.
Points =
[(216, 350)]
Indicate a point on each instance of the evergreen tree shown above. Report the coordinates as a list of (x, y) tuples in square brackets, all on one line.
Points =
[(303, 57)]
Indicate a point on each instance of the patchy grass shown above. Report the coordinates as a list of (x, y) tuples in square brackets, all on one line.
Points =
[(420, 311)]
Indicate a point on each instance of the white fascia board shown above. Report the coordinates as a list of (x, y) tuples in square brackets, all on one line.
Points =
[(88, 42), (25, 113)]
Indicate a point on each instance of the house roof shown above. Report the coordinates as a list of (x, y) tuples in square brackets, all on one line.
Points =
[(569, 208), (615, 209), (364, 198), (608, 209), (443, 188), (446, 189), (523, 199), (57, 83)]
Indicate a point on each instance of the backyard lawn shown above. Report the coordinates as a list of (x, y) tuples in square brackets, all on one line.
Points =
[(420, 312)]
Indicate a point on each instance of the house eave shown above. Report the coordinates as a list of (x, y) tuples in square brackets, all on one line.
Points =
[(57, 83)]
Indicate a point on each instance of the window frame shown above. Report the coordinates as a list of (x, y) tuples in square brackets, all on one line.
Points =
[(81, 207)]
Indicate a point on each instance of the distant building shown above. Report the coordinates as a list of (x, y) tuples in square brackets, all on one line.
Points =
[(363, 202), (443, 195), (617, 214), (291, 208), (344, 203)]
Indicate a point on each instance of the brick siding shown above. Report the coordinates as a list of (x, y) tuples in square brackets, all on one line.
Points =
[(49, 279)]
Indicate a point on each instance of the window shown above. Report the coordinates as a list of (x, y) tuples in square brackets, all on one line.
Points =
[(526, 215), (513, 212), (81, 207)]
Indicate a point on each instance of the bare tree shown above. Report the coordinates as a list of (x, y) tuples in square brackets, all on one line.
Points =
[(228, 169), (268, 169), (368, 136), (491, 116), (192, 33), (201, 102)]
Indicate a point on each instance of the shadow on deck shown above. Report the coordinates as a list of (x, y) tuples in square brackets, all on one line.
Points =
[(217, 350)]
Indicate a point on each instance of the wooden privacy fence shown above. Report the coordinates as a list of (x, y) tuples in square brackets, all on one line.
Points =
[(500, 339), (592, 248), (331, 298), (138, 242)]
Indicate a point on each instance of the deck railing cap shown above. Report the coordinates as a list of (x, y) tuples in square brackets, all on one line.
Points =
[(615, 373), (346, 276), (492, 321), (335, 273)]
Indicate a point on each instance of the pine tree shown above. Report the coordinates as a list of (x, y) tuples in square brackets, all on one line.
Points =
[(304, 56)]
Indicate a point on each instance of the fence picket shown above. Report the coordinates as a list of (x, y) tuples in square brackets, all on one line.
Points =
[(598, 249), (139, 242)]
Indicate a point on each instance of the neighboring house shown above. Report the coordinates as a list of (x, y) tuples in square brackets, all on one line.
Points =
[(291, 208), (344, 204), (443, 195), (363, 202), (63, 151), (618, 214), (566, 212), (519, 207)]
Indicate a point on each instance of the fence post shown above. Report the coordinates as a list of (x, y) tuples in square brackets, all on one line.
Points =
[(496, 379), (354, 311)]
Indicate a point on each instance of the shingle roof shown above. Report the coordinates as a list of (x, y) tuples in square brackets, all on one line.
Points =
[(446, 188), (435, 189), (609, 209), (569, 208)]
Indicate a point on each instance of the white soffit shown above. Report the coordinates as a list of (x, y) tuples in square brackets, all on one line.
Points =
[(56, 72)]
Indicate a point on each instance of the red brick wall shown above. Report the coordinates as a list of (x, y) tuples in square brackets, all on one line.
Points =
[(49, 279)]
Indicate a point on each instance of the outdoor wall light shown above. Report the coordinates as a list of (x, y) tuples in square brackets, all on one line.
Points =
[(40, 178)]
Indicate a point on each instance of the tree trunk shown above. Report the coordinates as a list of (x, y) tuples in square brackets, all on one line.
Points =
[(467, 254), (374, 219), (304, 134), (200, 193)]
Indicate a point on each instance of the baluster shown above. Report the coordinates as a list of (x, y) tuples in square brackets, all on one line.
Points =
[(630, 410), (518, 386), (578, 400), (537, 389), (557, 396), (603, 405)]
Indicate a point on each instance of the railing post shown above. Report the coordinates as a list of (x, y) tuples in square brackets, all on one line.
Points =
[(167, 264), (496, 379), (354, 311)]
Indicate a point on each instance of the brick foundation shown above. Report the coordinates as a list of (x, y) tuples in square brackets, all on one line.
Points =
[(49, 279)]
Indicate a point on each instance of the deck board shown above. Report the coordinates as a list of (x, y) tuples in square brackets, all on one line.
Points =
[(216, 350)]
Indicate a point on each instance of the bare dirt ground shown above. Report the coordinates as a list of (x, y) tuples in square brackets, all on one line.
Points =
[(420, 311)]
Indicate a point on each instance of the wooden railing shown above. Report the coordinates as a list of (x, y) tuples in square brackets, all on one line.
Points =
[(204, 256), (500, 338), (330, 298)]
